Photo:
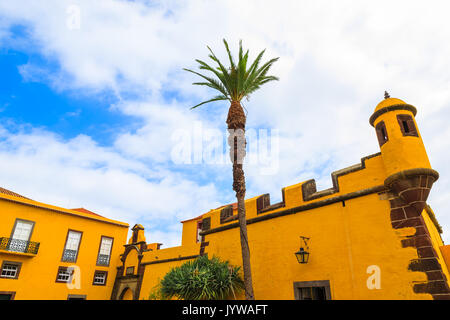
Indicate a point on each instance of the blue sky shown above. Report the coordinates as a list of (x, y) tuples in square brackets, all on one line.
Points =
[(34, 103), (88, 111)]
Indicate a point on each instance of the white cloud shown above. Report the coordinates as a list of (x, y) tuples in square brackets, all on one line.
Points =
[(162, 120), (79, 173)]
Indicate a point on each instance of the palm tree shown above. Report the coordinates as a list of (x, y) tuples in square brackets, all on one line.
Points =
[(235, 83)]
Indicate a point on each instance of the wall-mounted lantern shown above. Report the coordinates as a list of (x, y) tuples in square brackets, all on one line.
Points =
[(303, 253)]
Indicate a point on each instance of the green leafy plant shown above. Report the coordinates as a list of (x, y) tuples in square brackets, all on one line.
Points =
[(201, 279), (155, 293)]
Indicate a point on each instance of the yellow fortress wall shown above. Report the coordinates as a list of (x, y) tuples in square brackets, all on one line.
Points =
[(371, 236)]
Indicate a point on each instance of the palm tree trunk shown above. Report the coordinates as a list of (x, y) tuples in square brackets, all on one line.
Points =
[(236, 127)]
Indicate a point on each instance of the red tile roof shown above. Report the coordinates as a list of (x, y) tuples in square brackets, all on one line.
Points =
[(196, 218), (10, 193), (83, 210), (29, 202), (233, 205)]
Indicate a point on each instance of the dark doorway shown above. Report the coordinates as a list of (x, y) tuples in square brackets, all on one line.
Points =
[(76, 297), (7, 295), (312, 293), (312, 290)]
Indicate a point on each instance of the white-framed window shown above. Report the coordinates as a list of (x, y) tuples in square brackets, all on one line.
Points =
[(100, 278), (72, 245), (199, 229), (22, 230), (104, 252), (21, 235), (10, 270)]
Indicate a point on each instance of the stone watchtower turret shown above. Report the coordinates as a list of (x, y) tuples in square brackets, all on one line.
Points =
[(408, 170), (409, 178)]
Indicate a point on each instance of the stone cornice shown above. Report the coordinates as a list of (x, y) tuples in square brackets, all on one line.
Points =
[(393, 107)]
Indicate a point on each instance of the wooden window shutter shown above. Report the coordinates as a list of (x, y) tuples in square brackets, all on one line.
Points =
[(407, 125), (381, 133), (206, 224), (262, 202), (226, 213)]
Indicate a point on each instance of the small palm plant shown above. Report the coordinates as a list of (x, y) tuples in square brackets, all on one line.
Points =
[(201, 279), (235, 83)]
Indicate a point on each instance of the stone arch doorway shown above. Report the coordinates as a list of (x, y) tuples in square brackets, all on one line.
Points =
[(127, 294)]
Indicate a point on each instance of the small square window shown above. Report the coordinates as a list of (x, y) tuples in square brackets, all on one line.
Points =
[(100, 278), (64, 274), (312, 293), (407, 125), (130, 271), (10, 270), (312, 290)]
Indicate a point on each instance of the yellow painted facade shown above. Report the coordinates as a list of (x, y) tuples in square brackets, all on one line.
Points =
[(38, 272), (370, 236)]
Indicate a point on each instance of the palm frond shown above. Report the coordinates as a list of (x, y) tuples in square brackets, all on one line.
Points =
[(211, 80), (217, 98), (242, 68), (258, 72), (217, 72), (238, 80), (230, 57), (255, 63), (221, 66)]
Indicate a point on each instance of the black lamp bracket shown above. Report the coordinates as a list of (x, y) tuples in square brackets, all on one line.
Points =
[(305, 241)]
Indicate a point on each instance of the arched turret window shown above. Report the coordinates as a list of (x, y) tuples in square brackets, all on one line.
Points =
[(407, 125), (381, 133)]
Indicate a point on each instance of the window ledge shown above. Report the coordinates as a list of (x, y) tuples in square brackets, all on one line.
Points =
[(23, 254), (128, 276)]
